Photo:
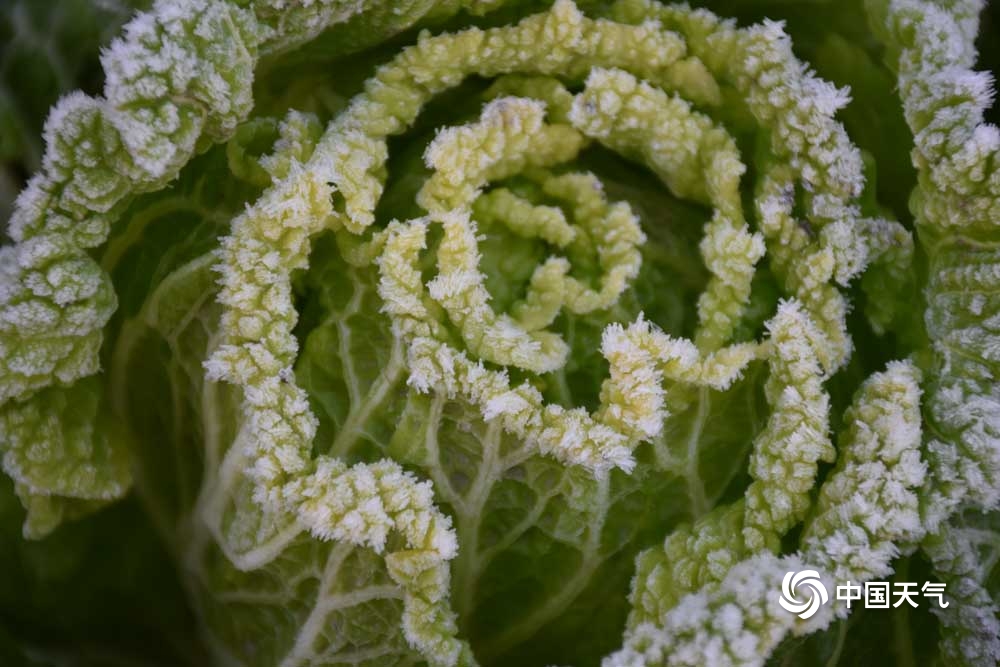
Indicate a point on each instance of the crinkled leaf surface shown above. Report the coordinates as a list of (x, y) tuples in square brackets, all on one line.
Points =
[(496, 333)]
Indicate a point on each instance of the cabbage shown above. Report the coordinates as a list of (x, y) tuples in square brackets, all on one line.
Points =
[(499, 333)]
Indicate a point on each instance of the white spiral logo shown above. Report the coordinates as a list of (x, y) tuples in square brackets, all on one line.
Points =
[(817, 593)]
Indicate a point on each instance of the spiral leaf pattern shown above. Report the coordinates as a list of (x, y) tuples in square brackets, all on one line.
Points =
[(674, 89)]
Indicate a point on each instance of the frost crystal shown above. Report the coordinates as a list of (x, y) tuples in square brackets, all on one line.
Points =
[(405, 389)]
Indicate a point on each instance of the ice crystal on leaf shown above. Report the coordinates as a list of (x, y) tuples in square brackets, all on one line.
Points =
[(501, 333)]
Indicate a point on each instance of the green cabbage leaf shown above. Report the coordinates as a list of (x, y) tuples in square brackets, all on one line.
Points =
[(497, 333)]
